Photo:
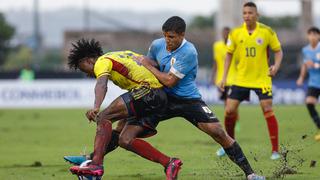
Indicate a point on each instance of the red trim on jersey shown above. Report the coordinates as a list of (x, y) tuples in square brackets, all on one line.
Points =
[(121, 69)]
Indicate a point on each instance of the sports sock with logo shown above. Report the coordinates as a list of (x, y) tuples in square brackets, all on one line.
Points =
[(103, 136), (236, 155)]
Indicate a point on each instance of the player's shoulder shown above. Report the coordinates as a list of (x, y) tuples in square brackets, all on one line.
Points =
[(266, 28), (218, 44), (188, 48), (237, 29), (158, 42)]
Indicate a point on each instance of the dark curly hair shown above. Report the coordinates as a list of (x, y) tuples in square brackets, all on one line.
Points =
[(83, 48)]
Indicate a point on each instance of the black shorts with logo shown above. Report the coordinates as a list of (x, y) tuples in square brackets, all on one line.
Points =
[(313, 91), (145, 101), (193, 110), (243, 93)]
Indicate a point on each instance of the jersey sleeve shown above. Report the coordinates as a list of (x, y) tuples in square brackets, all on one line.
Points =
[(152, 51), (305, 55), (231, 43), (183, 64), (102, 67), (274, 41)]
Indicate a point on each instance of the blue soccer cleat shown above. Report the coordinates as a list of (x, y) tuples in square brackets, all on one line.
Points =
[(255, 177), (76, 160), (275, 155), (220, 152)]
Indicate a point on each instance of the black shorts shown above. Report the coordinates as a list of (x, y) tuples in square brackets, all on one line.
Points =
[(223, 95), (144, 101), (313, 91), (193, 110), (243, 93)]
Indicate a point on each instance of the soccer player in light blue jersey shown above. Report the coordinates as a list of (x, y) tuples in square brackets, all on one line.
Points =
[(173, 60), (311, 64)]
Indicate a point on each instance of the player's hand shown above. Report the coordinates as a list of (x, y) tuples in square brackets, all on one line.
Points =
[(299, 81), (309, 64), (273, 70), (221, 85), (141, 60), (92, 114)]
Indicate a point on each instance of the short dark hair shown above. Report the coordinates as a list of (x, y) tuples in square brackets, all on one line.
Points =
[(250, 4), (313, 29), (83, 48), (175, 23), (226, 28)]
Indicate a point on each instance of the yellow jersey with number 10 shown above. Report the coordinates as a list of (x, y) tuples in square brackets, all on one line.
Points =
[(252, 52), (124, 72)]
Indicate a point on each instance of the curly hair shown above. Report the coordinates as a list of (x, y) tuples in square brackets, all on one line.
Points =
[(83, 48)]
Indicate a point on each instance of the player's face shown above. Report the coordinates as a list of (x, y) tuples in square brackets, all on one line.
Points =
[(86, 65), (173, 40), (250, 15), (313, 38)]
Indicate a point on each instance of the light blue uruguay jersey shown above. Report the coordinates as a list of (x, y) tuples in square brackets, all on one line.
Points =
[(183, 63), (314, 73)]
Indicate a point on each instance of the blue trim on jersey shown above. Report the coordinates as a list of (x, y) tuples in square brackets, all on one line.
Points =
[(314, 73), (183, 62)]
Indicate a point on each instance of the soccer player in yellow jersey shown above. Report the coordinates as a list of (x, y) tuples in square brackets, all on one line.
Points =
[(252, 41), (145, 97), (220, 52)]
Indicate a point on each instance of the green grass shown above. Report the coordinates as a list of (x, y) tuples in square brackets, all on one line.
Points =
[(46, 135)]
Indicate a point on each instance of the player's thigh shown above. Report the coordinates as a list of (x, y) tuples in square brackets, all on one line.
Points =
[(196, 112), (312, 95), (120, 125), (311, 100), (117, 110), (144, 101), (128, 133)]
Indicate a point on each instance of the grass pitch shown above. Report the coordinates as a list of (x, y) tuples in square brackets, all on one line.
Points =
[(33, 142)]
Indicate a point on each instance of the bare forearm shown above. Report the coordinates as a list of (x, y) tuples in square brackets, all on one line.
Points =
[(227, 63), (278, 58), (164, 78), (303, 71), (100, 92)]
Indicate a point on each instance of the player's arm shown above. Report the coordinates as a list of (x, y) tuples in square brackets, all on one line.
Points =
[(214, 71), (303, 72), (273, 69), (146, 60), (100, 91), (227, 63), (167, 79)]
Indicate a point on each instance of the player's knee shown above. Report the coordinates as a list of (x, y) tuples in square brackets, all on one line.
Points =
[(124, 141), (230, 112)]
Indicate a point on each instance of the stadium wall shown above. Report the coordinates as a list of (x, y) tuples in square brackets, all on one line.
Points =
[(77, 93)]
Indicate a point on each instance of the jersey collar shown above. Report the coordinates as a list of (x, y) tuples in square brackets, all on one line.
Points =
[(254, 31), (183, 42)]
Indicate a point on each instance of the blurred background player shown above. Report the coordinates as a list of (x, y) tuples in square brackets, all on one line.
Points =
[(252, 41), (311, 63), (220, 52)]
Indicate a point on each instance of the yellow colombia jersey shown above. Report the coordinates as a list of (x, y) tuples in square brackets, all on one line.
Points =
[(124, 71), (252, 53), (220, 51)]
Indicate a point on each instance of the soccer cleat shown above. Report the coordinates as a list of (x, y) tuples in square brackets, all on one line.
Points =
[(76, 160), (220, 152), (173, 168), (91, 170), (317, 137), (255, 177), (275, 155)]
